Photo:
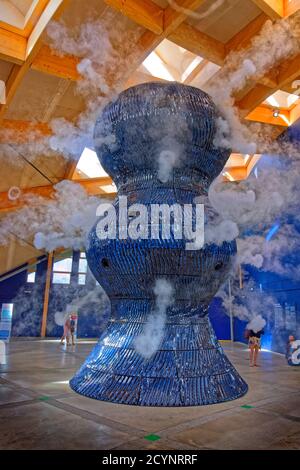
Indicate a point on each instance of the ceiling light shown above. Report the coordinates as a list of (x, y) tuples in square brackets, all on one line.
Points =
[(157, 68), (275, 113)]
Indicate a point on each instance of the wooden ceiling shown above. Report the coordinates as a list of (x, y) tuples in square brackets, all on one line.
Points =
[(41, 83)]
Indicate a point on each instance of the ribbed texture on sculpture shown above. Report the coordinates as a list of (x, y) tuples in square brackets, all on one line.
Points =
[(190, 367)]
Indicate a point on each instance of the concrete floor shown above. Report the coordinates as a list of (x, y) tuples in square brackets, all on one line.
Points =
[(38, 410)]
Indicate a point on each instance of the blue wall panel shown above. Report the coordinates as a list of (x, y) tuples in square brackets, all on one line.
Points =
[(93, 314), (27, 299), (219, 319)]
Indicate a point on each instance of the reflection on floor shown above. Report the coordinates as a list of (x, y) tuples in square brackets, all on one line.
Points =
[(39, 411)]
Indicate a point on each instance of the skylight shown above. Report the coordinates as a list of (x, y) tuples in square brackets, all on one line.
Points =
[(191, 67), (109, 188), (17, 12), (282, 99), (89, 164), (157, 68)]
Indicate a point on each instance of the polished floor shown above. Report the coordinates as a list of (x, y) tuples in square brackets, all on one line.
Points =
[(38, 410)]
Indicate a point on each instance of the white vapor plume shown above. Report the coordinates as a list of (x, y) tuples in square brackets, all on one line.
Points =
[(194, 14), (61, 222), (91, 295), (275, 42), (247, 303), (106, 60), (61, 317), (148, 342), (256, 324), (107, 57), (166, 162)]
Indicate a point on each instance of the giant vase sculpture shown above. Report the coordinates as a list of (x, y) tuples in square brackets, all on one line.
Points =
[(147, 130)]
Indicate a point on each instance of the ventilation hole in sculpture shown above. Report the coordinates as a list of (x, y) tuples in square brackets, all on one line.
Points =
[(105, 263), (218, 266)]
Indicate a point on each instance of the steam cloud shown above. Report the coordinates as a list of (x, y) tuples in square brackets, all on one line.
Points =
[(256, 324), (148, 342), (244, 209), (64, 221)]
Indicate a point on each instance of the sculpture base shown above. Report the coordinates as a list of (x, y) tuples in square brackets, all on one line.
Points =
[(190, 369)]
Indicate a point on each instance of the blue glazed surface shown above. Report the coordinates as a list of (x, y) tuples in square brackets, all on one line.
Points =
[(190, 367)]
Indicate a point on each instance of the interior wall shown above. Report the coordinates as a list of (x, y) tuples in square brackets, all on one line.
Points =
[(28, 301), (28, 305)]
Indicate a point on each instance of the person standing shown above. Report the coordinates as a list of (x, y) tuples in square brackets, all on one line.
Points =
[(73, 319), (67, 331), (254, 346)]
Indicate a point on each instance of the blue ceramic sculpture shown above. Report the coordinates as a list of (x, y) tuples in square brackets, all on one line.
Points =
[(190, 367)]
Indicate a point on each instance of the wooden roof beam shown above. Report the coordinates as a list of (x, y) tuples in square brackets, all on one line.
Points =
[(50, 62), (291, 6), (16, 132), (288, 71), (33, 45), (184, 35), (199, 43), (144, 12), (172, 19), (12, 47), (242, 39), (275, 9), (93, 186), (266, 114), (295, 113)]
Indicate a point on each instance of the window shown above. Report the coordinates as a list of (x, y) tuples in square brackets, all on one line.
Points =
[(82, 269), (89, 166), (31, 273), (61, 278), (62, 268)]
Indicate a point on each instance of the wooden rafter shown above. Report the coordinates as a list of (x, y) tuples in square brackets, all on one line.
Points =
[(93, 186), (144, 12), (199, 43), (16, 132), (183, 34), (266, 114), (275, 9), (172, 20), (48, 61), (243, 38), (18, 71), (12, 47), (288, 71), (291, 6), (194, 73), (70, 169)]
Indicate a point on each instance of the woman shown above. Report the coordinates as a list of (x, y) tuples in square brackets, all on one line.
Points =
[(67, 331), (254, 346)]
